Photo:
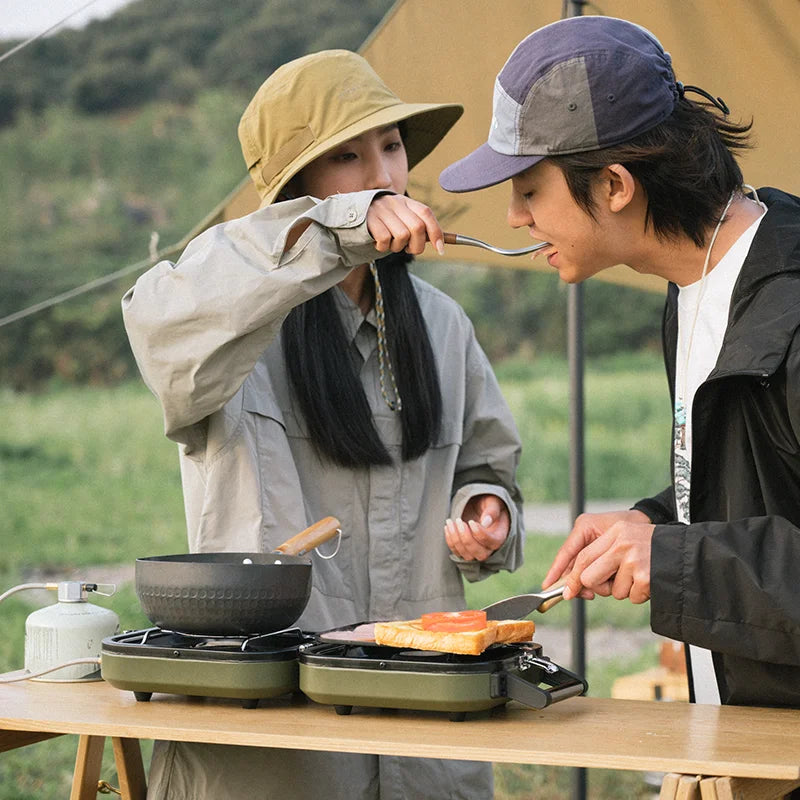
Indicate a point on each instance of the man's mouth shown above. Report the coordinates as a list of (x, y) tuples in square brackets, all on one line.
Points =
[(547, 252)]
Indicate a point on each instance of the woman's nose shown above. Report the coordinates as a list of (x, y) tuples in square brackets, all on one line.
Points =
[(380, 176)]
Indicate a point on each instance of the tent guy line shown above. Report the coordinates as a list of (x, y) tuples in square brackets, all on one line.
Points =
[(32, 39), (94, 284)]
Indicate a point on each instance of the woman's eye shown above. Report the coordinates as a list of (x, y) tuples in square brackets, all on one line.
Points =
[(342, 157), (394, 146)]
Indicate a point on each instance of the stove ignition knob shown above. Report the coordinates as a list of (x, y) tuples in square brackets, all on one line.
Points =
[(176, 653), (382, 665)]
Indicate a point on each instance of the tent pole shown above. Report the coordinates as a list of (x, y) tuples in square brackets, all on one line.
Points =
[(574, 8), (577, 491)]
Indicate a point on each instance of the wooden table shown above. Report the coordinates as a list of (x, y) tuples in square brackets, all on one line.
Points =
[(686, 741)]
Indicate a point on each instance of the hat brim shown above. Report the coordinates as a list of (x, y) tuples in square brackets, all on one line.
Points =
[(482, 168), (426, 125)]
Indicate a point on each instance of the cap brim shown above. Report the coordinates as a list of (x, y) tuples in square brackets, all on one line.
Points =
[(482, 168)]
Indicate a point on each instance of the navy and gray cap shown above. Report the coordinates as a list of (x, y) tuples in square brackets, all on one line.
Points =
[(579, 84)]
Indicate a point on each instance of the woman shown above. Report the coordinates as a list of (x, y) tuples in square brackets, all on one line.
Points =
[(304, 373)]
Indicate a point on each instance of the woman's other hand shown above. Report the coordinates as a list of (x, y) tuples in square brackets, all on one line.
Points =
[(482, 528), (397, 223)]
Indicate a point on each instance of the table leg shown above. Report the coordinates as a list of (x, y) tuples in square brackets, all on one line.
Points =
[(10, 740), (752, 788), (708, 788), (130, 770), (669, 786), (688, 788), (87, 767)]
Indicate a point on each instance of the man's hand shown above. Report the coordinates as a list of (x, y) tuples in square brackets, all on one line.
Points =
[(482, 529), (606, 554), (397, 223)]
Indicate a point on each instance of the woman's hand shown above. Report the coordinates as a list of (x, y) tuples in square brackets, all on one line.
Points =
[(482, 529), (397, 223)]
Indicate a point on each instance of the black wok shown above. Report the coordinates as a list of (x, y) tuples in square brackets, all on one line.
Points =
[(231, 594)]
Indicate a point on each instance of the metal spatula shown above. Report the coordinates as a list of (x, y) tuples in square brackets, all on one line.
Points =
[(521, 605)]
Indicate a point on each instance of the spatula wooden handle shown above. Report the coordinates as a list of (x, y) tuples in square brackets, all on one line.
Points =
[(308, 539)]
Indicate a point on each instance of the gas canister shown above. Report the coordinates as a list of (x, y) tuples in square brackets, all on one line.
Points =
[(69, 630)]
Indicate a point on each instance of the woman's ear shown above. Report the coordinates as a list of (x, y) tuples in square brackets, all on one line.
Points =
[(619, 187)]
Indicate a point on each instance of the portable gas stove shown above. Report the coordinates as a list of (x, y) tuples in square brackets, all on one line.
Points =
[(247, 668), (347, 674)]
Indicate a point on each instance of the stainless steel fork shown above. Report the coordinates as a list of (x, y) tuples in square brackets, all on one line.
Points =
[(458, 238)]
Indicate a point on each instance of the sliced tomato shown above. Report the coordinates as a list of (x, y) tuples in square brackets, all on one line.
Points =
[(454, 621)]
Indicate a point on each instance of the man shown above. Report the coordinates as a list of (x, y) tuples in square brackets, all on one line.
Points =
[(610, 162)]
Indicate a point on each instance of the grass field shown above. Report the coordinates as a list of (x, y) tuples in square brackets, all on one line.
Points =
[(88, 482)]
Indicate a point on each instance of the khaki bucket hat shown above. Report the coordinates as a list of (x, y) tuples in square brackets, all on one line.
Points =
[(315, 103)]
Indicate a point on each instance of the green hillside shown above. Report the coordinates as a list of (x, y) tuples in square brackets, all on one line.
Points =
[(122, 136)]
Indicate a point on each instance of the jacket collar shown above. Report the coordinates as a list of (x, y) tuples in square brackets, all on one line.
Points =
[(765, 305)]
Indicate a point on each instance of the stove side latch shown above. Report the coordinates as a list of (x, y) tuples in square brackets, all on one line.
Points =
[(536, 682)]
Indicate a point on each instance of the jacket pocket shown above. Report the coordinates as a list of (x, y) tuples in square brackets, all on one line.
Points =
[(264, 404)]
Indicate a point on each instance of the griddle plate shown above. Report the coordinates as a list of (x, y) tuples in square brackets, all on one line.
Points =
[(351, 674)]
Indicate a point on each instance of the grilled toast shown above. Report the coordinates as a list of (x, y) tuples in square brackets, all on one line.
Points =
[(411, 634), (514, 630)]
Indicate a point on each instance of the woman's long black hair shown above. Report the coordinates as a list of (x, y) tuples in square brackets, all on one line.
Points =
[(327, 387)]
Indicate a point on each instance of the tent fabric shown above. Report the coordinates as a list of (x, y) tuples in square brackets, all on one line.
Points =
[(745, 51)]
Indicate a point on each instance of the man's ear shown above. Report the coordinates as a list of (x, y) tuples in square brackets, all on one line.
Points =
[(619, 187)]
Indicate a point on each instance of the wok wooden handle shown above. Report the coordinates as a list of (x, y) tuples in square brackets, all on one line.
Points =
[(449, 238), (548, 604), (308, 539)]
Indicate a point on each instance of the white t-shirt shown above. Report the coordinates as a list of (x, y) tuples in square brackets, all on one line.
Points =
[(704, 306)]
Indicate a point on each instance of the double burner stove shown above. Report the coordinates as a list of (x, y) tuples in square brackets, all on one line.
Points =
[(248, 668), (333, 668)]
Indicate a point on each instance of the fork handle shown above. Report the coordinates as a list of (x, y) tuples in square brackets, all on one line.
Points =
[(460, 238)]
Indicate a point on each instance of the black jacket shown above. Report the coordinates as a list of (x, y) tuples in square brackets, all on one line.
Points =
[(730, 581)]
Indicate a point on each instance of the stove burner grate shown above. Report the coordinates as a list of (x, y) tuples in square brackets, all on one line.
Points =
[(276, 640)]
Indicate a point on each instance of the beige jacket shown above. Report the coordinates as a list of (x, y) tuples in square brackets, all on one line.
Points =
[(206, 335)]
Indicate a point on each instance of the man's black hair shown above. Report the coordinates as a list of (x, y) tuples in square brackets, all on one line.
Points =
[(685, 165), (324, 375)]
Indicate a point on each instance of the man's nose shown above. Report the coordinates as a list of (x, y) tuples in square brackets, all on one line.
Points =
[(518, 214)]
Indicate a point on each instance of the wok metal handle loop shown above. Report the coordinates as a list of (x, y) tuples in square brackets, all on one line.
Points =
[(338, 545)]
